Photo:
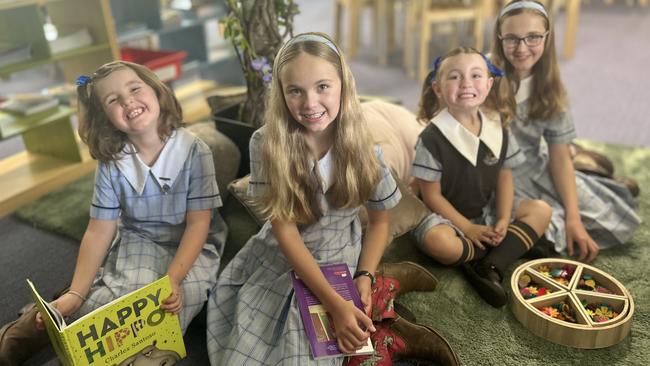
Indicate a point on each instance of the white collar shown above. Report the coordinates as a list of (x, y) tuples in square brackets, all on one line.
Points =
[(465, 142), (524, 90), (325, 170), (165, 169)]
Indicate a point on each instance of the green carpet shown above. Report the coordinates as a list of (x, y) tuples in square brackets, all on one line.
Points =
[(480, 334)]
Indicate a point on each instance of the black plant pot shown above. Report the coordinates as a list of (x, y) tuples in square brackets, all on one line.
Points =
[(239, 132)]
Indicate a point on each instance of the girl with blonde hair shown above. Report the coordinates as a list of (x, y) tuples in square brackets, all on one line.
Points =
[(313, 166)]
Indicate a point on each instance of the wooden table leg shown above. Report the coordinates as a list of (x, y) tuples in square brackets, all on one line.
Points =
[(382, 31), (572, 15)]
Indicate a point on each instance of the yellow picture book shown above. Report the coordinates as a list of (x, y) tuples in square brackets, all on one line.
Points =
[(126, 331)]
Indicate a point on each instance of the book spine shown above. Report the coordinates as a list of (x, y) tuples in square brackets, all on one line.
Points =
[(65, 342)]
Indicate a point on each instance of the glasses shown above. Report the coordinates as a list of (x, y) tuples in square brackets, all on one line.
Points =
[(530, 40)]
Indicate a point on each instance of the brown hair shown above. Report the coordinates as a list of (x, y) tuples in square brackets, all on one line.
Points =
[(286, 158), (548, 96), (105, 141), (498, 100)]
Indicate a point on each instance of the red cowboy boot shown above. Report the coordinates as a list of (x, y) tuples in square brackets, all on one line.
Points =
[(422, 343), (410, 276), (20, 340), (398, 338)]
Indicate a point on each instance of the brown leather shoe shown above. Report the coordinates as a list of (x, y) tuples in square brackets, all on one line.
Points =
[(411, 276), (422, 343), (590, 161), (631, 184), (20, 340)]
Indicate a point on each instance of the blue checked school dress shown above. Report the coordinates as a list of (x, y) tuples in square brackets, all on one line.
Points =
[(150, 204), (466, 167), (606, 206), (253, 318)]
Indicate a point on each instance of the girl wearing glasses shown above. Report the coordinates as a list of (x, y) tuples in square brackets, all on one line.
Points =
[(589, 212)]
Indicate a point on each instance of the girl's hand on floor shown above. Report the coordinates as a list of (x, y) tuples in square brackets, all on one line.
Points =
[(576, 233), (364, 286), (351, 325), (66, 304), (479, 235), (174, 303)]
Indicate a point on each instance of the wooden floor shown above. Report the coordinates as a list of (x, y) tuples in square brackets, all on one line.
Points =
[(25, 177)]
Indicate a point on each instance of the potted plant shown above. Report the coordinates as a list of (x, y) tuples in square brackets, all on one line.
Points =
[(257, 30)]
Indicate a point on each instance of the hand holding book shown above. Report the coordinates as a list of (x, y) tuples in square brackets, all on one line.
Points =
[(341, 329), (352, 327), (65, 305)]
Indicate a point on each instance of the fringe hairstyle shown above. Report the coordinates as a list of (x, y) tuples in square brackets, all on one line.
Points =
[(105, 141), (496, 102), (287, 160), (548, 96)]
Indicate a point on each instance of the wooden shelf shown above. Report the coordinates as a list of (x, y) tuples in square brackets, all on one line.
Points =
[(25, 177)]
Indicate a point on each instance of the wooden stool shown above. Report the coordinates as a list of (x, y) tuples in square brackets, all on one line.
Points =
[(353, 10), (427, 14), (383, 26)]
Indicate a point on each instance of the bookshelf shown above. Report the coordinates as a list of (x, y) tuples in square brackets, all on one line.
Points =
[(53, 154), (50, 162)]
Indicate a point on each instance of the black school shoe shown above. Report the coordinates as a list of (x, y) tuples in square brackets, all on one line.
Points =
[(543, 248), (487, 282)]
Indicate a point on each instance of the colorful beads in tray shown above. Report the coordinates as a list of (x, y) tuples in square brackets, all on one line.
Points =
[(530, 289), (588, 283), (561, 311), (599, 312), (562, 275)]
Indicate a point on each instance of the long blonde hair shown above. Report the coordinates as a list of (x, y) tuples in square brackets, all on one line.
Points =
[(548, 95), (497, 102), (287, 159), (105, 141)]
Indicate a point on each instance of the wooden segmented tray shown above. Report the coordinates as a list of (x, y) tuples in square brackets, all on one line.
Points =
[(585, 333)]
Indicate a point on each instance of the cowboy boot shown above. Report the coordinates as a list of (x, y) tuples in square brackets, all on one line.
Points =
[(409, 275), (19, 340), (421, 343), (404, 312)]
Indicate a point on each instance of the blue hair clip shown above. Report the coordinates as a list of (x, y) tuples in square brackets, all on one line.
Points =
[(495, 71), (82, 80), (432, 73)]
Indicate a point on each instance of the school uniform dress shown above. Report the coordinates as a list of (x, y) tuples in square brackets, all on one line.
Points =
[(151, 204), (467, 167), (253, 317), (606, 206)]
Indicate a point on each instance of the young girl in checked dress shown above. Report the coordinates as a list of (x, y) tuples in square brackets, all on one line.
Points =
[(312, 166), (463, 163), (154, 207), (589, 212)]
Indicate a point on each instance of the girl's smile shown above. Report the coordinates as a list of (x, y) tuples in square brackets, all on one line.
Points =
[(130, 104), (464, 82), (312, 91), (521, 56)]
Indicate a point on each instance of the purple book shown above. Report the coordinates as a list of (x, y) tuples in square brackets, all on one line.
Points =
[(318, 323)]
